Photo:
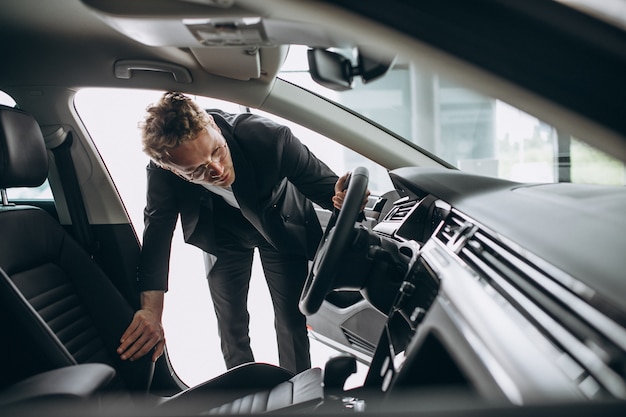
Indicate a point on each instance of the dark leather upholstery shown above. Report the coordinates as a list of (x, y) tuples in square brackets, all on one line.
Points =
[(249, 388), (23, 161), (69, 312), (303, 390), (48, 283), (71, 382), (61, 298)]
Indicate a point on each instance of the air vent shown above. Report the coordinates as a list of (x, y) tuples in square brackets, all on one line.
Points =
[(455, 230), (358, 342), (400, 211), (578, 326)]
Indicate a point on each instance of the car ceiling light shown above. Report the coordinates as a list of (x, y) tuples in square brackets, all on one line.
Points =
[(229, 32)]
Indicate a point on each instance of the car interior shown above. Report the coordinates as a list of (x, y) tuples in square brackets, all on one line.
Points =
[(460, 292)]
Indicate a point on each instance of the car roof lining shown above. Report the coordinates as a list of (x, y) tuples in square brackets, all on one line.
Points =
[(66, 67)]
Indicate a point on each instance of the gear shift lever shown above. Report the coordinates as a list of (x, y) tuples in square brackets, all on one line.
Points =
[(337, 371)]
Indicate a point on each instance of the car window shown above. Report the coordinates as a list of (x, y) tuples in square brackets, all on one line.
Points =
[(42, 192), (468, 130)]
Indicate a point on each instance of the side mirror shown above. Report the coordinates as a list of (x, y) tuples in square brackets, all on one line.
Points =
[(335, 71)]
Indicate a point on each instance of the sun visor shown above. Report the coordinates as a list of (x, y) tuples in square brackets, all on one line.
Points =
[(237, 47), (237, 63)]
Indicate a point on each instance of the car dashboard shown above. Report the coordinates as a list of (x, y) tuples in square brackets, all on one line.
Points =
[(502, 300)]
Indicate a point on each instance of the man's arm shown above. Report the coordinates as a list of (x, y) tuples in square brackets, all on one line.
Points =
[(160, 216), (145, 332), (311, 176)]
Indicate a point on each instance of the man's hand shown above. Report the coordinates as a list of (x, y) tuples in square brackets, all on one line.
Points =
[(145, 331), (341, 186)]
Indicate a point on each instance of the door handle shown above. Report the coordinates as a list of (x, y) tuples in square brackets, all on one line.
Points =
[(124, 69)]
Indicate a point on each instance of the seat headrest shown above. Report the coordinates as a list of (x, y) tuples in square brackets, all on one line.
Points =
[(23, 155)]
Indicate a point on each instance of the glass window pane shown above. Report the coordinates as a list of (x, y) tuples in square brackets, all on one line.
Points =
[(42, 192), (471, 132), (591, 166)]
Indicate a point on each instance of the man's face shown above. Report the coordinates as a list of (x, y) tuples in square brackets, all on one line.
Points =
[(203, 160)]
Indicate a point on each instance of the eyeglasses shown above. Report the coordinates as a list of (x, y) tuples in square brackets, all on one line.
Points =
[(217, 157)]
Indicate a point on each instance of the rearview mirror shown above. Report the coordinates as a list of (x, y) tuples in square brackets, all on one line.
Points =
[(335, 71)]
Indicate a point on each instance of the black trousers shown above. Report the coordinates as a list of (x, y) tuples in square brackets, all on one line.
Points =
[(229, 281)]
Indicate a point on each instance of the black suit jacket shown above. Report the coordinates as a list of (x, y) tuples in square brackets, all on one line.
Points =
[(276, 178)]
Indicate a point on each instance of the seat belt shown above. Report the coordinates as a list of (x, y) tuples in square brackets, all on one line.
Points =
[(73, 196)]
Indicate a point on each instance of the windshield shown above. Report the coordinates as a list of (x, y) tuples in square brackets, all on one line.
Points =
[(468, 130)]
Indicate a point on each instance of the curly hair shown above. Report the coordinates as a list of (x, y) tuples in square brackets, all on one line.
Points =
[(175, 119)]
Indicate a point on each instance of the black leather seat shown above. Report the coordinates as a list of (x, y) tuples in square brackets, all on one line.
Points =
[(60, 309), (71, 383), (64, 309)]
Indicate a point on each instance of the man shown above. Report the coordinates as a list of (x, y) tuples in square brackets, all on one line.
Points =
[(239, 182)]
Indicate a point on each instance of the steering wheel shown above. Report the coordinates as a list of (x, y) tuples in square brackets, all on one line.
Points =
[(334, 245)]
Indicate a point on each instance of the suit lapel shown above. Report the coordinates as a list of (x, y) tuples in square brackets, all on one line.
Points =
[(245, 186)]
